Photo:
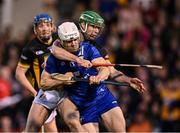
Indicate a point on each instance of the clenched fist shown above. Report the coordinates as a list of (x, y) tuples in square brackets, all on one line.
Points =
[(84, 63)]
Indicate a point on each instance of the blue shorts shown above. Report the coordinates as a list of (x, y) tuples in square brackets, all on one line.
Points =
[(92, 111)]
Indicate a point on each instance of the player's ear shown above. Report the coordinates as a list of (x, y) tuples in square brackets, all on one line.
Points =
[(54, 29), (35, 32)]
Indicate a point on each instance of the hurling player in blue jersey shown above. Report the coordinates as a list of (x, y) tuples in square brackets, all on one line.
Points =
[(91, 25), (93, 99)]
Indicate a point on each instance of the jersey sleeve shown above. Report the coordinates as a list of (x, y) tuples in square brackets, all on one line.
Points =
[(102, 51), (51, 65), (26, 58), (94, 53)]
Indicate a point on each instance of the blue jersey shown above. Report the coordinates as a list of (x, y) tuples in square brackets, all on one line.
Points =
[(91, 100), (80, 91)]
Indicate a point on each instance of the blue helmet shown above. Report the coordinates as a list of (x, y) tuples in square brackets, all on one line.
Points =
[(42, 17)]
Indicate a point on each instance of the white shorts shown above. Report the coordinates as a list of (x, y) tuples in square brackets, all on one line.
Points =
[(50, 99)]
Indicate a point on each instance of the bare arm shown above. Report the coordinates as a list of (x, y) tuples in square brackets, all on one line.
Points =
[(62, 54), (118, 75), (103, 72), (21, 77), (121, 77), (49, 83)]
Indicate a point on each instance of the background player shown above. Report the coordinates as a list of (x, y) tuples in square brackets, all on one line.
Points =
[(34, 54)]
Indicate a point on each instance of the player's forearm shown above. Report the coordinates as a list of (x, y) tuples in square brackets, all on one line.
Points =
[(103, 73), (119, 76), (50, 84), (25, 83), (62, 54), (123, 78)]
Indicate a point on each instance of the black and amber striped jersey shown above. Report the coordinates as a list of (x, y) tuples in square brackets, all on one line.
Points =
[(170, 109), (32, 58)]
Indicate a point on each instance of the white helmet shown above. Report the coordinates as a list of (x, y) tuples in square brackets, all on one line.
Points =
[(68, 31)]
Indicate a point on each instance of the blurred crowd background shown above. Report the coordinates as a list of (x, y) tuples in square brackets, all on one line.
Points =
[(137, 31)]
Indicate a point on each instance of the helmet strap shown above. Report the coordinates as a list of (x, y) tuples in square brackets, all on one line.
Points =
[(61, 44)]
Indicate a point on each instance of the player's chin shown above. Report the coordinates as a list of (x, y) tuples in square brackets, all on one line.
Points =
[(93, 37), (73, 50), (45, 38)]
